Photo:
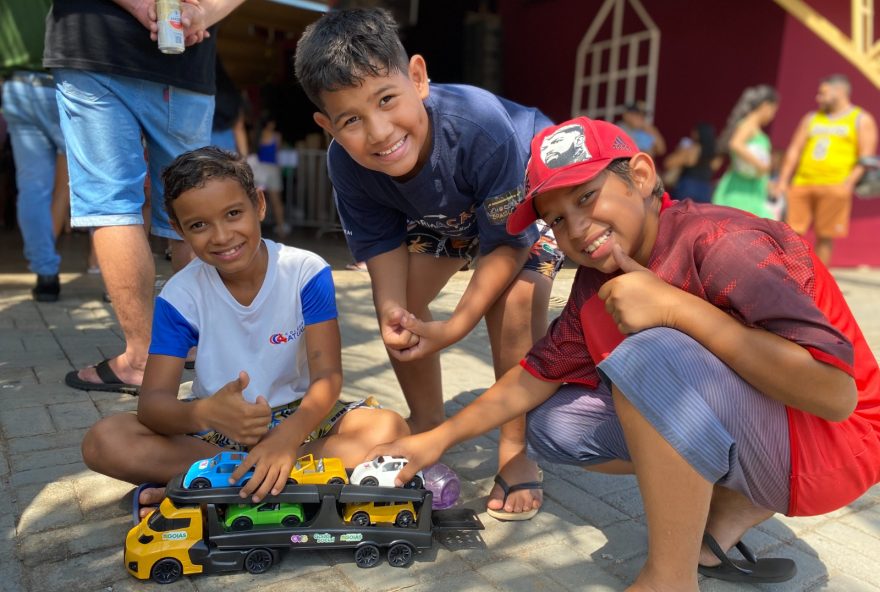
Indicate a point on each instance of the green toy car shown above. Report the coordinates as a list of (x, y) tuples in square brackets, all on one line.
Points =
[(246, 516)]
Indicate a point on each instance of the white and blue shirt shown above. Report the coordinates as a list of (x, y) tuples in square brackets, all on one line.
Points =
[(266, 338)]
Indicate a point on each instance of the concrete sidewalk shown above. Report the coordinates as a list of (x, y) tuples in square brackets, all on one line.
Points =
[(66, 526)]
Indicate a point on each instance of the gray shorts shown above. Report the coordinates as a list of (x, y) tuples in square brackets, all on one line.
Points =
[(729, 432)]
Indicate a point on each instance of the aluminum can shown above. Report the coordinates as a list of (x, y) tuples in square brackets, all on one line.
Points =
[(170, 26)]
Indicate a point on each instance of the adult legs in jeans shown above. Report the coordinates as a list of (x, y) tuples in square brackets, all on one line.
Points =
[(104, 116), (32, 115)]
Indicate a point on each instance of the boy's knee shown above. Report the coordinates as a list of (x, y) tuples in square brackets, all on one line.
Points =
[(663, 338), (385, 426), (94, 442), (655, 347), (546, 437), (100, 441)]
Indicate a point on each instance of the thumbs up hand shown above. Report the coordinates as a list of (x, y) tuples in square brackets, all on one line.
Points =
[(638, 299), (231, 414)]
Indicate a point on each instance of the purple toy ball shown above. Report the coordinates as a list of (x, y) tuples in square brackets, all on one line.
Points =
[(443, 483)]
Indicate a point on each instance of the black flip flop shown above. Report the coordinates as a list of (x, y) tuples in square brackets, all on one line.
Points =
[(752, 570), (110, 383), (501, 514)]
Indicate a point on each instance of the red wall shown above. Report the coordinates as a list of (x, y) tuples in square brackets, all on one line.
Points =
[(702, 69), (804, 61), (710, 51)]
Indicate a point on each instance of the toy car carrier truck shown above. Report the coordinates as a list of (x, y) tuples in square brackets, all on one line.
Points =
[(188, 534)]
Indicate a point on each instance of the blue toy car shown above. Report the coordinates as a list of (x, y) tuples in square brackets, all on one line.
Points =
[(215, 472)]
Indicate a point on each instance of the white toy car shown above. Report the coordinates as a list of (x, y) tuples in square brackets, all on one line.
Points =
[(382, 471)]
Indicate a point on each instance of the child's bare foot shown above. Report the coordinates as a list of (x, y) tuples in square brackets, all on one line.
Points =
[(731, 515), (149, 500), (515, 469)]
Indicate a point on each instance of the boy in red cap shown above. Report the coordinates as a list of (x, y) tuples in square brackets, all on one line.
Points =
[(704, 349)]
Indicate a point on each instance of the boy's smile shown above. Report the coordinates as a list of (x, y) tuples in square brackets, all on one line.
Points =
[(383, 123), (222, 225), (590, 218)]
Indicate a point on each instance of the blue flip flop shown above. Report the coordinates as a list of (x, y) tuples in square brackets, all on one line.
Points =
[(136, 500)]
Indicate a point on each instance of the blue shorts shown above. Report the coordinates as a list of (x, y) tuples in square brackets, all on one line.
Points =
[(103, 117), (730, 433), (544, 256)]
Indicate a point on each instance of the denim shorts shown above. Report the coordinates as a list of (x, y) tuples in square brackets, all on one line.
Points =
[(544, 256), (103, 117)]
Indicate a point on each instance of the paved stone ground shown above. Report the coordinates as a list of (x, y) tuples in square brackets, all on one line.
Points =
[(66, 525)]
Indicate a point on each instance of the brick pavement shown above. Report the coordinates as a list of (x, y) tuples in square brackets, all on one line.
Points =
[(66, 525)]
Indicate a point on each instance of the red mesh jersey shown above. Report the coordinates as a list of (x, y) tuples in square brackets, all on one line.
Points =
[(764, 275)]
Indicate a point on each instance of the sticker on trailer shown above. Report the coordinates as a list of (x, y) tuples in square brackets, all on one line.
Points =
[(299, 538), (351, 538), (324, 537)]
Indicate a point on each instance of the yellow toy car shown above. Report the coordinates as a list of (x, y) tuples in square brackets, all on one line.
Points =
[(318, 472), (401, 514)]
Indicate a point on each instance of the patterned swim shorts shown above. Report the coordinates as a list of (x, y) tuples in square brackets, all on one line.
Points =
[(281, 412), (544, 256)]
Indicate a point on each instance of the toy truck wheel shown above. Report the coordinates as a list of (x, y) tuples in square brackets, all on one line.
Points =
[(166, 571), (290, 521), (336, 481), (414, 483), (366, 555), (258, 561), (242, 523), (200, 483), (404, 519), (400, 555), (361, 519), (370, 481), (291, 481)]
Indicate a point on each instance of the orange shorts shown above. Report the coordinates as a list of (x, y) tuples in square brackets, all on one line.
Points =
[(825, 207)]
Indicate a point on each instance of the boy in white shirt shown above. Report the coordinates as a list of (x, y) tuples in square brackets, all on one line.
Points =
[(269, 369)]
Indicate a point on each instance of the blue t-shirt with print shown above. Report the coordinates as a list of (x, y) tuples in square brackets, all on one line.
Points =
[(467, 188)]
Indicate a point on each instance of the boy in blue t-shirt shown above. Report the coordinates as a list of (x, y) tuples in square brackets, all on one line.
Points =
[(269, 369), (425, 176)]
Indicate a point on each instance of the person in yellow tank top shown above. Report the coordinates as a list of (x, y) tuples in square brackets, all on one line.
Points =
[(822, 164)]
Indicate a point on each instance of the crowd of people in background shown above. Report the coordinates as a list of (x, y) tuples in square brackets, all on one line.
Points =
[(811, 188)]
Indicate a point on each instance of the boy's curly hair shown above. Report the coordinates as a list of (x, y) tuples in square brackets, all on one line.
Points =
[(342, 48), (193, 169)]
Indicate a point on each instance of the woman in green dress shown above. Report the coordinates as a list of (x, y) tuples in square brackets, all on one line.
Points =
[(745, 183)]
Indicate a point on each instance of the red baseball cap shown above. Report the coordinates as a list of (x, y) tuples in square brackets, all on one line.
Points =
[(568, 154)]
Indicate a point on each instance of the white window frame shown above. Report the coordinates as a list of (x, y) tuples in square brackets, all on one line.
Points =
[(588, 63)]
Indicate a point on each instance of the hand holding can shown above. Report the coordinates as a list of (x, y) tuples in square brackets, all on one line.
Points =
[(170, 26)]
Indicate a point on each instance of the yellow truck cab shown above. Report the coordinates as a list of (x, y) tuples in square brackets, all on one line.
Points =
[(159, 546)]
